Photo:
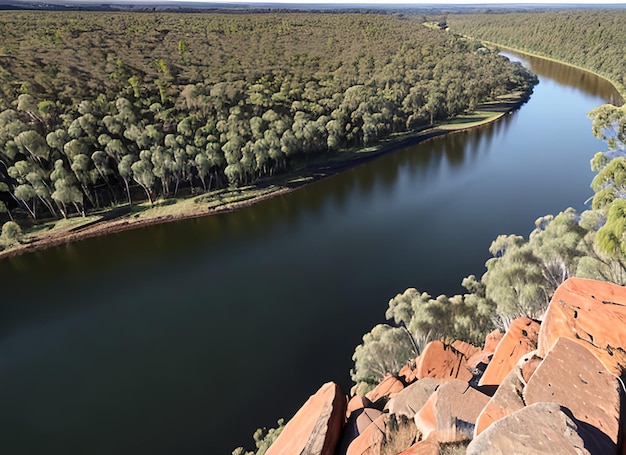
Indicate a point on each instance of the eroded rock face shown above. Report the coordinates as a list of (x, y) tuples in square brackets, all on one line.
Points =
[(465, 348), (508, 397), (592, 312), (389, 386), (573, 377), (410, 400), (520, 339), (443, 362), (316, 427), (422, 448), (357, 423), (492, 340), (541, 428), (370, 441), (357, 402), (454, 406)]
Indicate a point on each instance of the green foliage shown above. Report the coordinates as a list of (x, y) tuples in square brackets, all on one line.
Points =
[(179, 110), (11, 233), (385, 349), (592, 39), (263, 439)]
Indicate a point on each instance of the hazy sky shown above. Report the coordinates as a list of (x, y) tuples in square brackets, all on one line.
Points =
[(431, 2)]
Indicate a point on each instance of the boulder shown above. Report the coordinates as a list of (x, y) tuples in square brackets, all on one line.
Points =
[(387, 387), (407, 373), (371, 440), (506, 400), (528, 364), (520, 339), (541, 428), (492, 340), (316, 427), (592, 312), (426, 447), (410, 400), (357, 423), (454, 406), (357, 402), (443, 362), (573, 377), (465, 348)]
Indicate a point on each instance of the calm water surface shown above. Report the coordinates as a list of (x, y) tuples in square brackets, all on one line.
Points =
[(185, 337)]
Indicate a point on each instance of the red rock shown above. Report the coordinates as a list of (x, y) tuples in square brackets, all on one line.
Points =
[(425, 447), (592, 312), (412, 398), (492, 340), (387, 387), (520, 339), (442, 361), (370, 441), (316, 427), (528, 364), (454, 405), (573, 377), (540, 428), (506, 400), (366, 418), (479, 358), (357, 402), (407, 373), (465, 348), (358, 422)]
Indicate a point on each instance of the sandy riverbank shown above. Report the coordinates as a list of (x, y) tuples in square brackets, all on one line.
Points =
[(58, 232)]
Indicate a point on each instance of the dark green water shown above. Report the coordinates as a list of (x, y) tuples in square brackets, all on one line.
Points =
[(185, 337)]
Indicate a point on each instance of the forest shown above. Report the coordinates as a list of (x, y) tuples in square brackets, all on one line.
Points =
[(102, 109), (523, 273), (592, 39)]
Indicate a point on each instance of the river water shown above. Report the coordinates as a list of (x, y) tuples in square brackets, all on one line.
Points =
[(185, 337)]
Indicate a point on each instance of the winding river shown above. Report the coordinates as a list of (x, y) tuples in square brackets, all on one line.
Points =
[(185, 337)]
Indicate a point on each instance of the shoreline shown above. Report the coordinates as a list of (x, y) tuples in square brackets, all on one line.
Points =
[(621, 90), (124, 218)]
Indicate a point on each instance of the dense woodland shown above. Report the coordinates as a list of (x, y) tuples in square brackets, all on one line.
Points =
[(101, 108), (523, 273), (589, 38)]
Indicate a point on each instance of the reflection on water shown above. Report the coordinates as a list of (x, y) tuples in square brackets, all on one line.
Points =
[(570, 76), (185, 337)]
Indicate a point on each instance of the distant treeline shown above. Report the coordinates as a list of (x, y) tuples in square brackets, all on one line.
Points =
[(589, 38), (95, 103)]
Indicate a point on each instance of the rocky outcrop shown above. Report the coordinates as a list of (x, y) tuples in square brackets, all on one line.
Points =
[(370, 441), (453, 407), (573, 377), (357, 424), (357, 402), (592, 312), (506, 400), (443, 362), (316, 427), (540, 389), (520, 339), (409, 401), (390, 385), (541, 428)]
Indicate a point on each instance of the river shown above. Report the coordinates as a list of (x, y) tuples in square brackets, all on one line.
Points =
[(185, 337)]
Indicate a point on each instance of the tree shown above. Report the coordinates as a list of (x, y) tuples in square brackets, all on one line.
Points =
[(142, 173), (11, 233), (385, 349)]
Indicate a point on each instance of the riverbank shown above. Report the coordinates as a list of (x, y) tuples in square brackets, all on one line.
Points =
[(118, 219), (619, 88)]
